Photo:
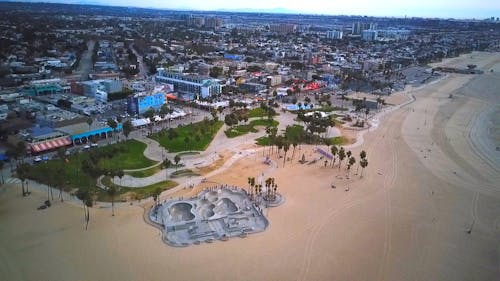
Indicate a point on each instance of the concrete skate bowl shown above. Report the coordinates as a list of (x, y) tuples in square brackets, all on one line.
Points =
[(212, 196), (181, 212), (206, 209), (225, 206)]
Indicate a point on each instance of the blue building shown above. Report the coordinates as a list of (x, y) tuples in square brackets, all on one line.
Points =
[(140, 103), (234, 57)]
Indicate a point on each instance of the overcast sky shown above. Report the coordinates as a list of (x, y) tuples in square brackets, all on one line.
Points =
[(399, 8)]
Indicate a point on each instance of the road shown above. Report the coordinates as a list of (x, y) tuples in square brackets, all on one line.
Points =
[(85, 66), (143, 73)]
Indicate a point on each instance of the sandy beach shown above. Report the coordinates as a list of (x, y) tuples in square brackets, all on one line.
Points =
[(427, 208)]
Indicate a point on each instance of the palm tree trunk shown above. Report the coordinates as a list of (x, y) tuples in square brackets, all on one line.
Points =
[(112, 206), (22, 187), (87, 218), (60, 194)]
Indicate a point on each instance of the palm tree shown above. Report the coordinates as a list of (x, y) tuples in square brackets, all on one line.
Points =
[(86, 197), (294, 143), (362, 155), (112, 191), (127, 128), (341, 156), (120, 174), (177, 159), (1, 171), (90, 121), (21, 174), (112, 124), (59, 180), (334, 149), (349, 153), (251, 183), (156, 194), (150, 114), (364, 164), (286, 146), (351, 162)]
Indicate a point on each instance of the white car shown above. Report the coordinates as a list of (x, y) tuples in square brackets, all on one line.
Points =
[(38, 159), (94, 144), (86, 146)]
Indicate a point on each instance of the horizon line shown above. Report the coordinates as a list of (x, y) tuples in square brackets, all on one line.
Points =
[(246, 11)]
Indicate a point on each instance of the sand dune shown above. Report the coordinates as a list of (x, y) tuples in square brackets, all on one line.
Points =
[(428, 181)]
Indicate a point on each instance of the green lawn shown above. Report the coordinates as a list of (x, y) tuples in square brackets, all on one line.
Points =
[(258, 112), (198, 136), (338, 140), (183, 173), (133, 158), (124, 155), (145, 173), (250, 127), (136, 193), (263, 141)]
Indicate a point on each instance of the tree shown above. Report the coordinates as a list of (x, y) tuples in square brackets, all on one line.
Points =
[(334, 149), (89, 121), (341, 156), (352, 161), (177, 159), (112, 191), (86, 197), (1, 171), (21, 170), (362, 155), (364, 164), (127, 128), (286, 146), (150, 114), (156, 195), (59, 181), (215, 72), (112, 124), (251, 183)]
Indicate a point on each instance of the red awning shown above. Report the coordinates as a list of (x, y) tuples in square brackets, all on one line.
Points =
[(50, 144), (171, 97)]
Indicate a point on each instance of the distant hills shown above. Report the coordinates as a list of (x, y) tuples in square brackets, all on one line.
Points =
[(267, 11), (277, 10)]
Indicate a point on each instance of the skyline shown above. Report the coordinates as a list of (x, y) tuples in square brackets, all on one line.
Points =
[(462, 9)]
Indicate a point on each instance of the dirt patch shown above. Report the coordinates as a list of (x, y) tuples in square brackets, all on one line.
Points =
[(223, 157)]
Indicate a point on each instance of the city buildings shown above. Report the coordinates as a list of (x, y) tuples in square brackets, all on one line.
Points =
[(283, 28), (334, 34), (193, 85), (141, 102)]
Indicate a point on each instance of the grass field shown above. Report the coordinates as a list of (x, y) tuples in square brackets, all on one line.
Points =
[(70, 173), (258, 112), (250, 127), (192, 137), (183, 173), (339, 140), (133, 193), (145, 173)]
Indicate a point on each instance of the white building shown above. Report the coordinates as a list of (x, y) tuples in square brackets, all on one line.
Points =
[(334, 34)]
